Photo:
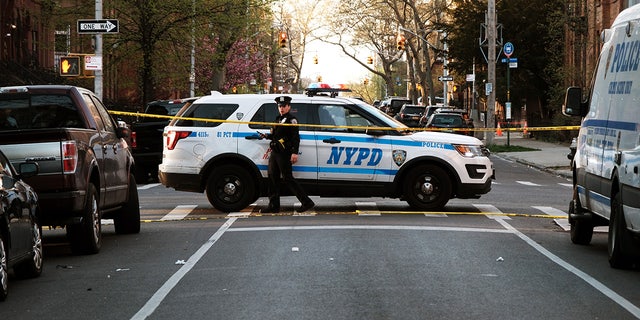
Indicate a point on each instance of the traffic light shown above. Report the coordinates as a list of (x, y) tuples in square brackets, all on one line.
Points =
[(455, 88), (369, 60), (401, 41), (70, 66), (366, 81), (319, 78), (315, 60), (282, 39)]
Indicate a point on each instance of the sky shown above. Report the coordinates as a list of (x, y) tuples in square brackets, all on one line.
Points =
[(333, 65)]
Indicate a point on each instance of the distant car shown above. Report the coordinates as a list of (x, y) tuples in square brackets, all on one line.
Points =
[(20, 233), (449, 121), (465, 115), (392, 105), (429, 110), (410, 114)]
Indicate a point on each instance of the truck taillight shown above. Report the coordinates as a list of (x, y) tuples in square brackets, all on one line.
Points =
[(174, 136), (134, 139), (69, 156)]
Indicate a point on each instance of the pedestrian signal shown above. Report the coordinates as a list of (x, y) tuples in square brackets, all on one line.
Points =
[(70, 66)]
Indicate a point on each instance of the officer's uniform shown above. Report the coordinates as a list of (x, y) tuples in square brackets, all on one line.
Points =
[(285, 141)]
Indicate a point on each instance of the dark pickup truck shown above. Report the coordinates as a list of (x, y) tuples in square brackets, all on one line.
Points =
[(85, 166), (146, 136)]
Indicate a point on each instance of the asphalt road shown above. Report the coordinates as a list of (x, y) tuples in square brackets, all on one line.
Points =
[(500, 256)]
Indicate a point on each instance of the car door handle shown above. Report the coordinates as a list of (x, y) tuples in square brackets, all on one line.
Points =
[(331, 141)]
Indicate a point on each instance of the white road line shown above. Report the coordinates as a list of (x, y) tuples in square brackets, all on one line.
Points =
[(162, 293), (615, 297), (562, 223), (148, 186), (566, 185), (488, 209), (368, 209), (179, 212), (529, 183)]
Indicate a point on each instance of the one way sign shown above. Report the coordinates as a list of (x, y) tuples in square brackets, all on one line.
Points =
[(98, 26)]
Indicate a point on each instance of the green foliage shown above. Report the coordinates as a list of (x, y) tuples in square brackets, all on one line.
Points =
[(535, 27)]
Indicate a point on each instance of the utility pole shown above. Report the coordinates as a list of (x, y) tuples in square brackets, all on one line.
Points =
[(97, 81), (491, 69)]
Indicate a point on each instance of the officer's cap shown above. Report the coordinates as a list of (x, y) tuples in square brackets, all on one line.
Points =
[(283, 100)]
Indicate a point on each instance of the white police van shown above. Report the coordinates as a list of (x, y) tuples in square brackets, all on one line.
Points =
[(606, 166), (347, 149)]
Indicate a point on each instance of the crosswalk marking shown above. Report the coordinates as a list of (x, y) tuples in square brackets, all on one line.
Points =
[(529, 183), (368, 209), (562, 223), (179, 212), (148, 186), (488, 209)]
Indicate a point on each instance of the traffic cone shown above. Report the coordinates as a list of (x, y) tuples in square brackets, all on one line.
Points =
[(498, 131)]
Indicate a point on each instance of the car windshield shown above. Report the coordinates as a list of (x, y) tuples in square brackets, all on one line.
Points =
[(414, 110), (448, 120)]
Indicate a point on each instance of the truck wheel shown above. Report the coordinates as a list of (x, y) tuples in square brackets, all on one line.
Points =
[(230, 188), (581, 229), (127, 219), (86, 237), (32, 268), (620, 239), (428, 188), (4, 272)]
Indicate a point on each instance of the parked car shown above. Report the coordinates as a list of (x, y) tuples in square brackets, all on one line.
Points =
[(146, 136), (410, 114), (20, 233), (448, 122), (392, 105), (429, 110), (465, 115)]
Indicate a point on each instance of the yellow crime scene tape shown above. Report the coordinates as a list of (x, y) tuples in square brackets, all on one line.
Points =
[(357, 212), (520, 129)]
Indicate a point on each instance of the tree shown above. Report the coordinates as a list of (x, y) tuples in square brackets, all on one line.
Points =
[(537, 46)]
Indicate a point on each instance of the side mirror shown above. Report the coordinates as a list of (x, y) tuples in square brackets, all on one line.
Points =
[(123, 132), (573, 105)]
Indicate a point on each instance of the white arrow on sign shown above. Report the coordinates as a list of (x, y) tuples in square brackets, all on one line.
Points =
[(97, 26)]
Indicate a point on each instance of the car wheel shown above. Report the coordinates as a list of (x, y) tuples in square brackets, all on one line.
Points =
[(127, 219), (32, 268), (427, 187), (620, 239), (230, 188), (4, 272), (86, 237), (581, 229)]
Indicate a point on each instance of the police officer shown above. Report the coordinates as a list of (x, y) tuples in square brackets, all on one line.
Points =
[(285, 141)]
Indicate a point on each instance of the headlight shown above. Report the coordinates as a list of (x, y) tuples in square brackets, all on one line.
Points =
[(469, 151)]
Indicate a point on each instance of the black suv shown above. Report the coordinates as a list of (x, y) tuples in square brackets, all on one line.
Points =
[(410, 114)]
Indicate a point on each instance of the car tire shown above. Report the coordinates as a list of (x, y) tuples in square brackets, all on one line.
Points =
[(620, 240), (427, 187), (581, 229), (86, 237), (32, 268), (230, 188), (4, 271), (127, 219)]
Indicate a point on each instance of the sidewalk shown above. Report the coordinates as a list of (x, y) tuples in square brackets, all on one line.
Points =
[(549, 157)]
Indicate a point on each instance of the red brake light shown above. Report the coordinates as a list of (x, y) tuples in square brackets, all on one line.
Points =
[(174, 136), (134, 141), (69, 156)]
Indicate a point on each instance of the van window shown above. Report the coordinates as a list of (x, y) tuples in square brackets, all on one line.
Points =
[(338, 115)]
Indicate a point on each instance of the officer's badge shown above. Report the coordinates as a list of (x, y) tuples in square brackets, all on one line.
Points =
[(399, 157)]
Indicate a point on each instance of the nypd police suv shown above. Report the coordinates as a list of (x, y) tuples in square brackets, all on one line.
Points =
[(347, 149), (606, 166)]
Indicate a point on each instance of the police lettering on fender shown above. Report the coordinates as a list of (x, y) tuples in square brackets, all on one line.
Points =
[(341, 147)]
